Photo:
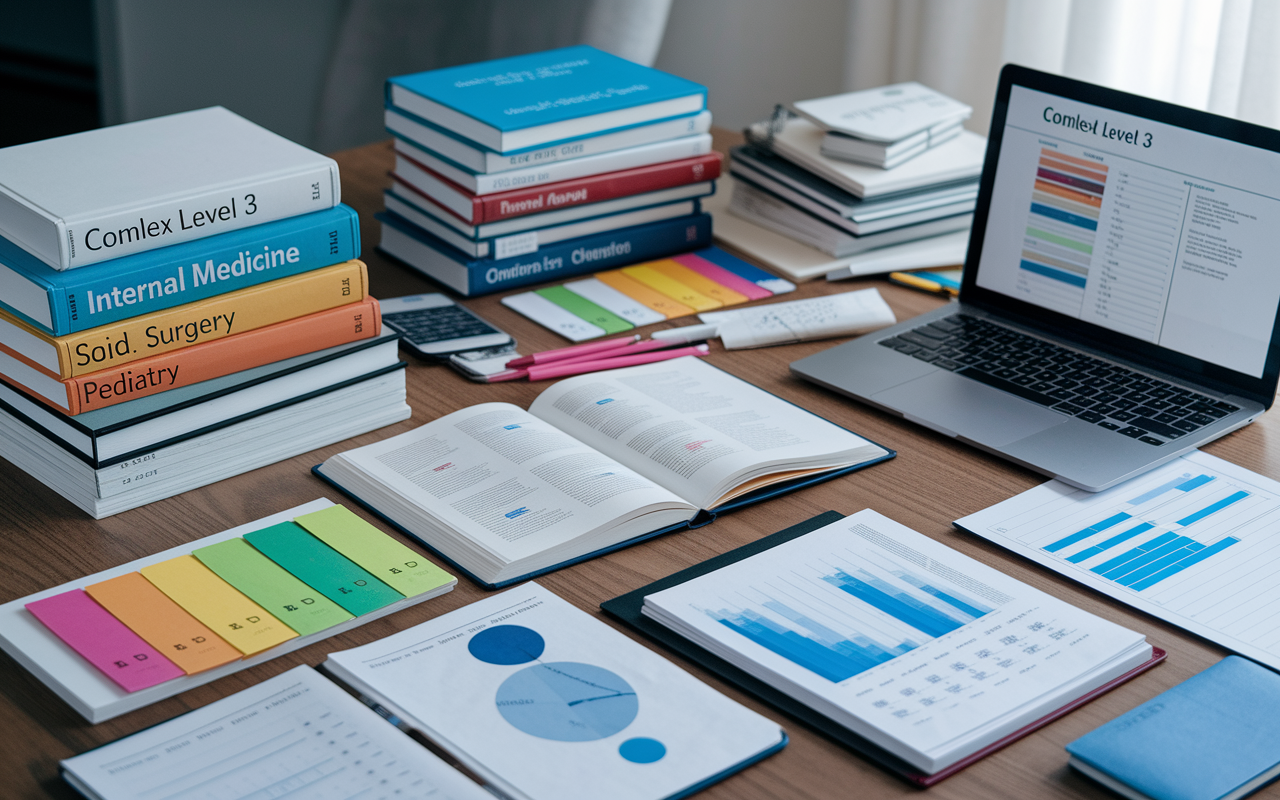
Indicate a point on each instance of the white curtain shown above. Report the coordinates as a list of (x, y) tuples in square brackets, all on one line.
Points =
[(1221, 56)]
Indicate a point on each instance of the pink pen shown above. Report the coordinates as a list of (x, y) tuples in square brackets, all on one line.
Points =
[(562, 353), (619, 352), (544, 372)]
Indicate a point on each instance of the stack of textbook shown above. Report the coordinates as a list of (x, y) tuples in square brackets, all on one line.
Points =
[(909, 174), (526, 169), (179, 303)]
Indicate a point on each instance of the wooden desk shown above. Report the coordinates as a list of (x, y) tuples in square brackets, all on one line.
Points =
[(45, 541)]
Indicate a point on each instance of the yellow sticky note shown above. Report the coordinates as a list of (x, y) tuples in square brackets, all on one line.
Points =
[(672, 288), (643, 294), (213, 601), (699, 283)]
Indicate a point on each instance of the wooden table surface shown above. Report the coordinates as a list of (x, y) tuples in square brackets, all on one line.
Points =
[(45, 541)]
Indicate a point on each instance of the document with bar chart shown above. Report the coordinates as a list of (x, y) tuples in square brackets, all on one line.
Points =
[(1192, 542), (923, 651)]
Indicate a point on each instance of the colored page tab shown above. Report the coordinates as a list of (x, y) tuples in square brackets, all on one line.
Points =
[(582, 307), (610, 298), (325, 569), (213, 601), (672, 288), (264, 582), (722, 276), (164, 625), (549, 315), (104, 641), (396, 565), (643, 294), (699, 283), (746, 271)]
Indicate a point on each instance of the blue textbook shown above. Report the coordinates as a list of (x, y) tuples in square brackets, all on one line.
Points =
[(1215, 736), (542, 98), (62, 302)]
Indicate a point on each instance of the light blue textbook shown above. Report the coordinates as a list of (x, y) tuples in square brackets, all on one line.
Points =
[(542, 98), (1215, 736)]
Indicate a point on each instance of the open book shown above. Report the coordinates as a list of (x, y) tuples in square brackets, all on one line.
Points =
[(597, 461), (915, 655)]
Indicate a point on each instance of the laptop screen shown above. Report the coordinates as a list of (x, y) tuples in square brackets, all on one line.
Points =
[(1157, 231)]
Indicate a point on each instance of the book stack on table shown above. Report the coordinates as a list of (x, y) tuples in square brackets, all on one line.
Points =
[(180, 302), (527, 169), (861, 171)]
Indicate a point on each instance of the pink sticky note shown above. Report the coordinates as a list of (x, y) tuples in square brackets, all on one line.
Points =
[(722, 276), (104, 641)]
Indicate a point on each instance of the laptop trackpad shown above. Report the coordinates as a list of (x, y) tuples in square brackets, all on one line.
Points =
[(958, 406)]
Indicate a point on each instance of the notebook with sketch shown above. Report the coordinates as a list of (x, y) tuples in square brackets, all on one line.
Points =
[(1120, 293)]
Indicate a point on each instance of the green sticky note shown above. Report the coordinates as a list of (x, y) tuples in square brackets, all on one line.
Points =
[(264, 582), (324, 569), (580, 306), (399, 567)]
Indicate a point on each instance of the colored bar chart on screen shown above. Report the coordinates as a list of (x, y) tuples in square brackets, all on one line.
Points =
[(1061, 230), (1193, 542), (840, 622)]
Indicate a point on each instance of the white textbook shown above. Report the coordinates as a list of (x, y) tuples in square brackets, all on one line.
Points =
[(598, 461), (886, 114), (106, 193), (544, 702), (920, 650)]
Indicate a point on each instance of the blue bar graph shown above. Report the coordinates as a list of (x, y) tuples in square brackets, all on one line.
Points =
[(972, 608), (1125, 575), (1137, 552), (1195, 483), (1102, 547), (1195, 558), (1152, 567), (835, 661), (1218, 506), (1159, 490), (1087, 532), (897, 604)]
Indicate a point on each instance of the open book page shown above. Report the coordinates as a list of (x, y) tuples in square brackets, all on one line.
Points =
[(920, 649), (296, 734), (514, 485), (548, 703), (695, 429)]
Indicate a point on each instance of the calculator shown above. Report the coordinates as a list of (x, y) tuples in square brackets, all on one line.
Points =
[(434, 327)]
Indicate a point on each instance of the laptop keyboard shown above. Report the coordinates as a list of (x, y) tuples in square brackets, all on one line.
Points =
[(1070, 382)]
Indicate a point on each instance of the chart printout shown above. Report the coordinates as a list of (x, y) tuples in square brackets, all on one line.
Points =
[(1146, 229), (294, 735), (899, 631), (1192, 542)]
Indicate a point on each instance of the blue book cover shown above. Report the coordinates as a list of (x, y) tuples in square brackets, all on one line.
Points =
[(1215, 736), (68, 301), (492, 101), (594, 253)]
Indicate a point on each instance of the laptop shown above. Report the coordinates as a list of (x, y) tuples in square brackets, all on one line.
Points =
[(1120, 291)]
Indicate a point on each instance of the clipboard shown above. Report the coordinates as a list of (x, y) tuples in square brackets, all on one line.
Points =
[(626, 609)]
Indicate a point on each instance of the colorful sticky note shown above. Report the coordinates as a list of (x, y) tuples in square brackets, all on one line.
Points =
[(722, 276), (638, 291), (610, 298), (164, 625), (269, 585), (213, 601), (746, 271), (672, 288), (323, 568), (399, 567), (584, 308), (104, 641), (699, 283)]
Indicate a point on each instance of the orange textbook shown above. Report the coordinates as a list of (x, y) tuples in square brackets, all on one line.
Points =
[(199, 362), (119, 343)]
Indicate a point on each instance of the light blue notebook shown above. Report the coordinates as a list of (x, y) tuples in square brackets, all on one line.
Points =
[(540, 98), (1215, 736)]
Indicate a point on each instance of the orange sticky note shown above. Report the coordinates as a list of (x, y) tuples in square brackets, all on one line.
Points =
[(699, 283), (672, 288), (216, 603), (162, 623), (644, 295)]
